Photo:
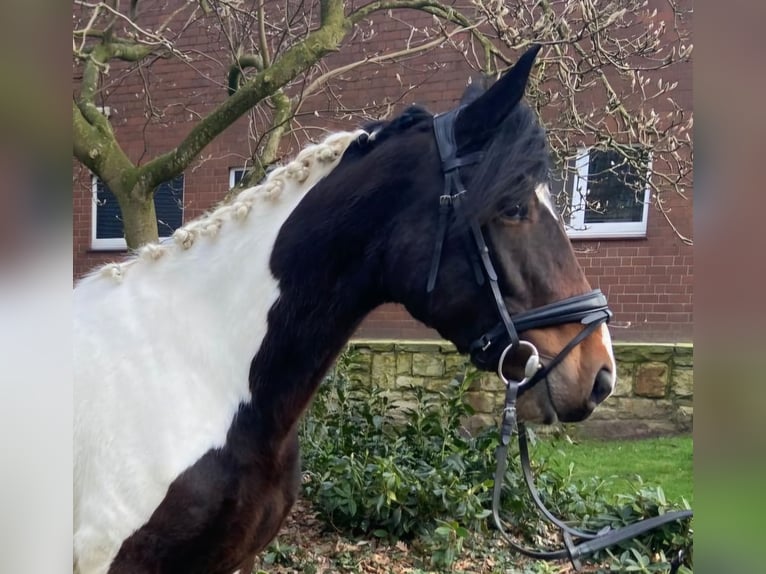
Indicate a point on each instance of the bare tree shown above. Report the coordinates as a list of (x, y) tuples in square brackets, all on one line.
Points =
[(269, 59), (603, 84)]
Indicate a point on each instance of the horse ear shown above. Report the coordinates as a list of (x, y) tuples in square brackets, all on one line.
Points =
[(475, 89), (478, 120)]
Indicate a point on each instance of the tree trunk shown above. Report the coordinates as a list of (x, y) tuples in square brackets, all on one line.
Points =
[(139, 219)]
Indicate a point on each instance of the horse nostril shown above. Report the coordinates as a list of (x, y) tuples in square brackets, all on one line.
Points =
[(603, 386)]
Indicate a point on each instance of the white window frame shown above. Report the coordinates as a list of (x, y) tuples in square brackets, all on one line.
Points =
[(576, 226), (232, 173), (106, 243), (101, 243)]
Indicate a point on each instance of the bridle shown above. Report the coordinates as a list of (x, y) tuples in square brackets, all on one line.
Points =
[(590, 310)]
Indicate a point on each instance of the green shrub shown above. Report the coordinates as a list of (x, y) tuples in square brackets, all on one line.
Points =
[(375, 468)]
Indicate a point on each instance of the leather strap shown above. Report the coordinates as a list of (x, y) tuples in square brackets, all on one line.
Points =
[(453, 194), (441, 231), (483, 250), (589, 542), (586, 309)]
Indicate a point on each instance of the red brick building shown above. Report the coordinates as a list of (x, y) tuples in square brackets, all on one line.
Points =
[(644, 269)]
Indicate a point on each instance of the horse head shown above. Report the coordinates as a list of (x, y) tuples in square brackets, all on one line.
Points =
[(478, 203)]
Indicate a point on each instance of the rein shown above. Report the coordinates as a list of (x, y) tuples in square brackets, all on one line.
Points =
[(590, 309)]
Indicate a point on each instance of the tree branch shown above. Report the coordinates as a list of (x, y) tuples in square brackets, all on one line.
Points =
[(283, 113), (324, 78), (99, 152), (297, 59), (265, 55), (438, 9), (131, 51), (237, 68)]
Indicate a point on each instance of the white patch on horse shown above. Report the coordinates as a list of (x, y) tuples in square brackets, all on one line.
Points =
[(544, 196), (162, 350), (606, 338)]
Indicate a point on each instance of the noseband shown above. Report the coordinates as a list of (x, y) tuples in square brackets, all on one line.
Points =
[(590, 310)]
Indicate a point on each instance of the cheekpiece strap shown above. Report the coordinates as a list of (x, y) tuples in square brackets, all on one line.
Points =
[(444, 132)]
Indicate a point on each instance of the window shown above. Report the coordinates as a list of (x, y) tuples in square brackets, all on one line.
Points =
[(608, 195), (107, 231), (235, 175)]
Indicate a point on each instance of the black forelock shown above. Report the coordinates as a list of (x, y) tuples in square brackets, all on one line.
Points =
[(515, 162)]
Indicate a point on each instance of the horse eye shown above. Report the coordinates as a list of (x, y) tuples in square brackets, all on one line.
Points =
[(515, 211)]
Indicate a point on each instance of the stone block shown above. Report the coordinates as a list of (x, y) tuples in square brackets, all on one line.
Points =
[(378, 346), (481, 402), (361, 380), (406, 381), (447, 348), (359, 361), (685, 418), (478, 422), (683, 356), (437, 384), (651, 380), (427, 364), (644, 409), (642, 353), (486, 382), (624, 385), (359, 366), (454, 364), (418, 347), (355, 346), (498, 399), (384, 369), (653, 394), (683, 383), (403, 363), (606, 412), (403, 404)]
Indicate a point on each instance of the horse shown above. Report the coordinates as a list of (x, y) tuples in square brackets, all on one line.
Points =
[(196, 357)]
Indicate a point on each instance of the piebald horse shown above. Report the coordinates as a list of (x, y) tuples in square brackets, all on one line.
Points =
[(195, 358)]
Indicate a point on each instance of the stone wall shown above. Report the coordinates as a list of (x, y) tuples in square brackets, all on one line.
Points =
[(653, 395)]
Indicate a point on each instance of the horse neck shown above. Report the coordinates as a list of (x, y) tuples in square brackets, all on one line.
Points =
[(222, 287), (215, 281), (327, 284), (230, 301)]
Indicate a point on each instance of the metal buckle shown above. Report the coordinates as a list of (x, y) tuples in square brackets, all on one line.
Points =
[(530, 368)]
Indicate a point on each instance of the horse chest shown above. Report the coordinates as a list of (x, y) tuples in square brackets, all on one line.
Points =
[(216, 515)]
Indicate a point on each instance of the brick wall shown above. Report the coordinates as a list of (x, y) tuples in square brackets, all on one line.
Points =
[(649, 281)]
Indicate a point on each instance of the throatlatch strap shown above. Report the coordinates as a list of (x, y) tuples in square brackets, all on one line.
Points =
[(441, 232)]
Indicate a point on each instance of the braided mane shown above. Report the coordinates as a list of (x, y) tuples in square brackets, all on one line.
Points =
[(290, 178)]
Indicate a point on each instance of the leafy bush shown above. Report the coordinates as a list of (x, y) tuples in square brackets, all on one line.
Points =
[(373, 468), (410, 470)]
